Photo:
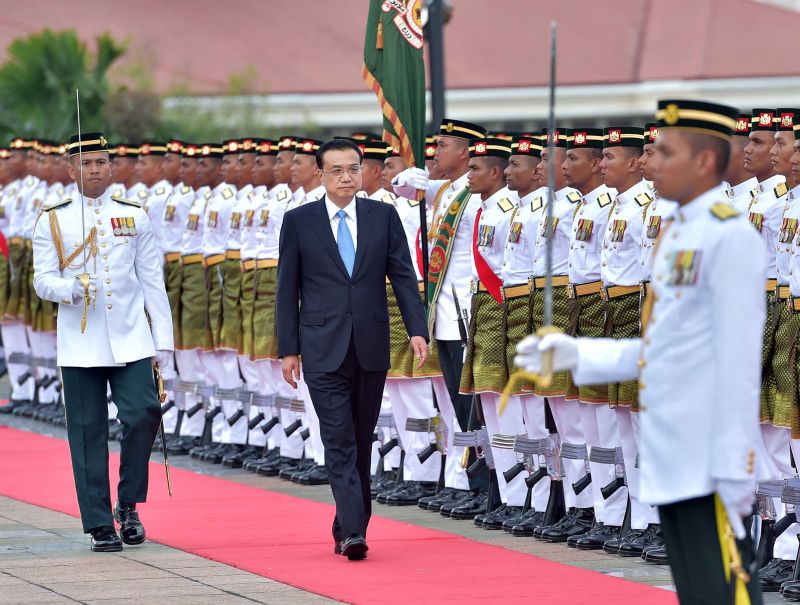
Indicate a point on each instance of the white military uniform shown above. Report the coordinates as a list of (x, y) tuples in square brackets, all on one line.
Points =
[(741, 196), (154, 205), (129, 281), (693, 339)]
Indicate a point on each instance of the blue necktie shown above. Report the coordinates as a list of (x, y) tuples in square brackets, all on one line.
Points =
[(345, 242)]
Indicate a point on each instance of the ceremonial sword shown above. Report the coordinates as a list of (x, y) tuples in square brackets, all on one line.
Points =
[(82, 277)]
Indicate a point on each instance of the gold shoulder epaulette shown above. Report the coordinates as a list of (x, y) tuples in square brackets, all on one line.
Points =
[(185, 189), (781, 189), (505, 204), (208, 194), (160, 191), (389, 197), (574, 196), (122, 200), (57, 204), (643, 199), (723, 211), (227, 193), (118, 193), (282, 195), (143, 193), (536, 203), (604, 200), (413, 203)]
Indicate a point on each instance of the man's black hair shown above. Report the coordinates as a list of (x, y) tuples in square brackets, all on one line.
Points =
[(337, 145)]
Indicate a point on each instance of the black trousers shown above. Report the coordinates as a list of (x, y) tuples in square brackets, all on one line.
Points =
[(348, 402), (695, 555), (451, 358), (134, 393)]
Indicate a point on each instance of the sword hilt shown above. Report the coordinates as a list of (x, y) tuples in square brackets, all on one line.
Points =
[(546, 375), (84, 279)]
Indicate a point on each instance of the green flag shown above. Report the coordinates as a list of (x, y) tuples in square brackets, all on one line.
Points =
[(394, 68)]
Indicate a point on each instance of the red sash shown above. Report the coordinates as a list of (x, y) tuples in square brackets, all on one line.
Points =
[(493, 284)]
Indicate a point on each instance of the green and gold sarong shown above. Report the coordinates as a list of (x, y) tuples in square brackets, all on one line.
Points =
[(485, 369), (768, 387), (586, 321), (265, 327), (401, 355), (622, 321), (231, 329), (195, 329), (247, 302), (518, 323), (782, 406), (558, 387), (214, 285), (16, 281), (4, 282), (172, 281)]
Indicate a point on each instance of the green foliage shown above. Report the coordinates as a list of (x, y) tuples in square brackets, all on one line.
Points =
[(39, 78), (132, 116)]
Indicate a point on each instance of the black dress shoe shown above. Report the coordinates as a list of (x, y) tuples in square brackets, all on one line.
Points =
[(509, 523), (236, 458), (398, 487), (297, 466), (316, 476), (355, 548), (131, 529), (12, 405), (105, 539), (637, 541), (216, 456), (775, 573), (411, 494), (577, 523), (596, 537), (478, 519), (470, 508), (496, 519), (448, 494), (790, 591), (611, 546), (448, 506), (656, 555), (528, 525), (387, 480)]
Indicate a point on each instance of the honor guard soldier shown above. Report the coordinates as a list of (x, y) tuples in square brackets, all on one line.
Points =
[(621, 272), (765, 213), (781, 396), (150, 172), (449, 271), (586, 311), (697, 362), (742, 185), (124, 157), (485, 372), (785, 549), (105, 341)]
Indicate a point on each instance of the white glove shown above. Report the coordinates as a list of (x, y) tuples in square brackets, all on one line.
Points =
[(412, 177), (163, 357), (78, 291), (737, 496), (530, 349)]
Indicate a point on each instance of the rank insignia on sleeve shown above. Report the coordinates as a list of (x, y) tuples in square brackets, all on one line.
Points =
[(618, 230), (505, 204), (604, 200), (757, 220), (485, 236), (725, 211), (583, 232), (515, 232), (264, 218), (192, 223), (236, 220), (169, 213), (788, 230), (684, 267), (123, 226), (653, 226), (213, 215), (248, 218)]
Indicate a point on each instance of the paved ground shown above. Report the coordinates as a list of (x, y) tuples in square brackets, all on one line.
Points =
[(32, 534)]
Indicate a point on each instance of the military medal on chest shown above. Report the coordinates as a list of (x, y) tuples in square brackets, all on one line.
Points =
[(684, 267), (543, 230), (248, 218), (169, 213), (193, 222), (653, 226), (264, 218), (618, 230), (515, 232), (485, 235), (236, 220), (788, 230), (757, 220), (213, 215), (583, 232), (123, 226)]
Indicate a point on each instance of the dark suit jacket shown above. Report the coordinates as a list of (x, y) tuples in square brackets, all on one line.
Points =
[(319, 306)]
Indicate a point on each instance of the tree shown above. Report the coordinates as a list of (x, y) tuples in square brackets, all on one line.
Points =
[(38, 82)]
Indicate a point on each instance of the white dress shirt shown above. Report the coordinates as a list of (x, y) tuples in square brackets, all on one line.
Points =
[(350, 219)]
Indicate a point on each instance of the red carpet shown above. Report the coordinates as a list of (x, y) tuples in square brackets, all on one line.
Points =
[(258, 531)]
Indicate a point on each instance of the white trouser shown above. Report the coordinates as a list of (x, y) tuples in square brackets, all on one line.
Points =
[(413, 398), (599, 424), (454, 476), (567, 416), (43, 345), (534, 415), (191, 369), (249, 371), (292, 446), (268, 386), (642, 514), (224, 367), (385, 434), (777, 445), (313, 445), (15, 340), (510, 423)]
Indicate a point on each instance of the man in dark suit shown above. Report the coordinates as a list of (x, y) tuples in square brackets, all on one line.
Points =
[(335, 256)]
